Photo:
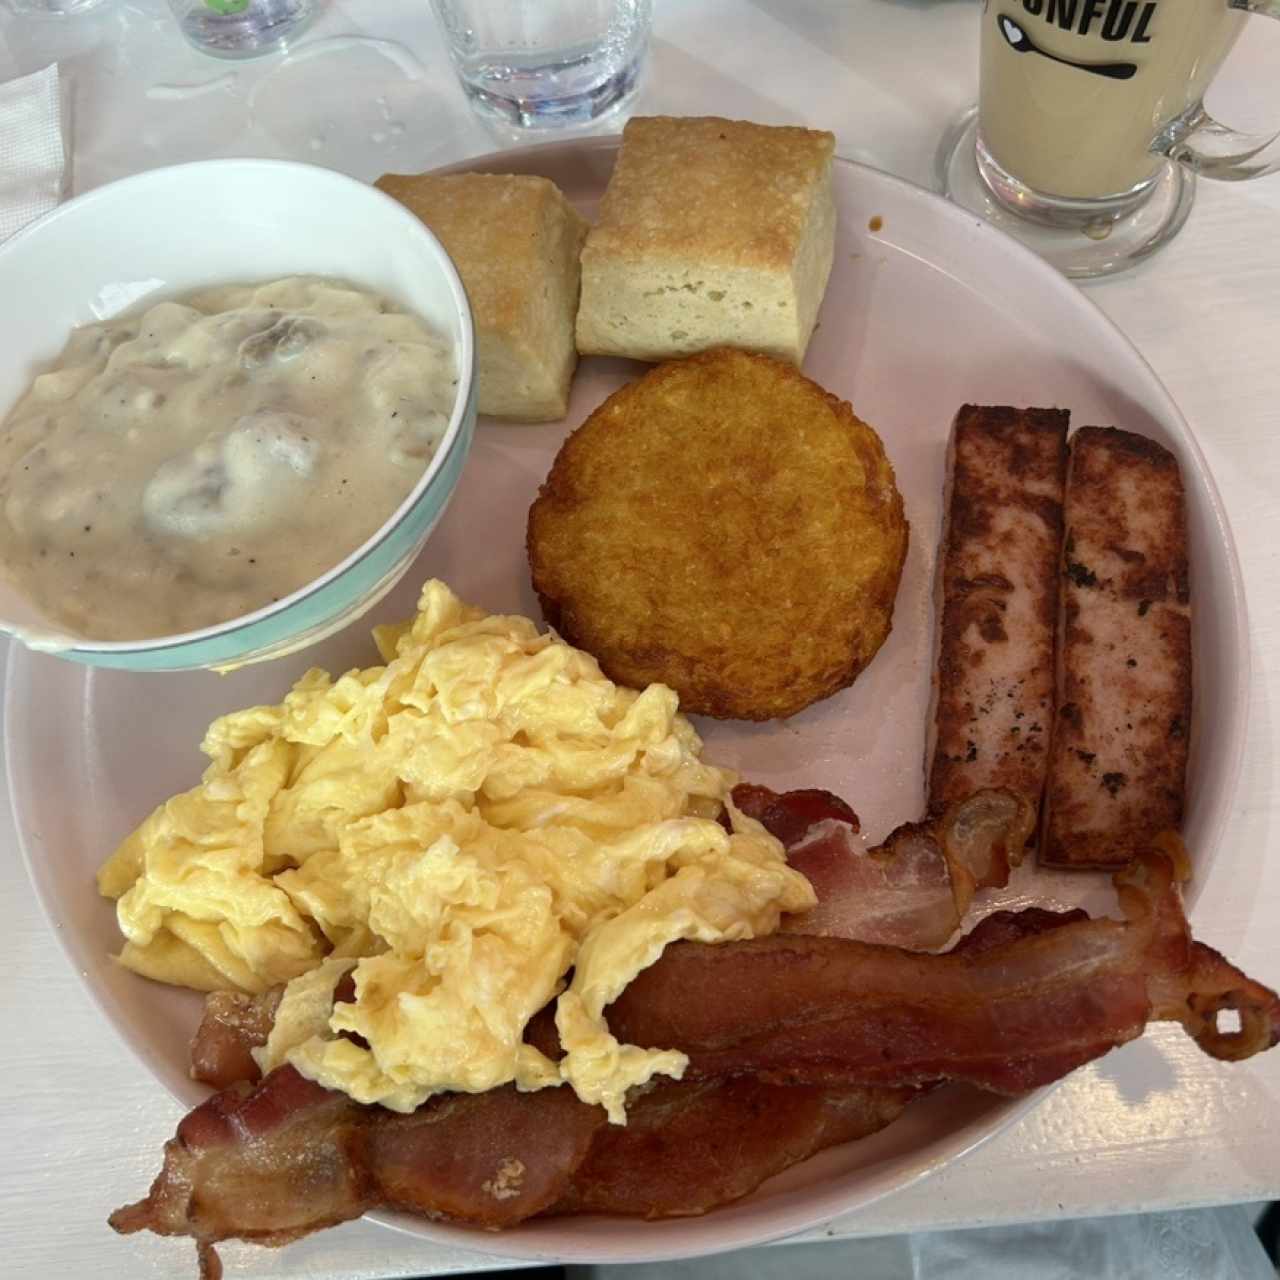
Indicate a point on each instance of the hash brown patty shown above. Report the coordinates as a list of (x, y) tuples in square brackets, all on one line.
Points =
[(725, 527)]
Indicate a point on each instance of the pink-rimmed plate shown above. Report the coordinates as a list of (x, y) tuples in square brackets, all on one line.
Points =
[(931, 309)]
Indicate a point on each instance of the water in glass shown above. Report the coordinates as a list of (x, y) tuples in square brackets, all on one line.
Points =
[(241, 28), (543, 64)]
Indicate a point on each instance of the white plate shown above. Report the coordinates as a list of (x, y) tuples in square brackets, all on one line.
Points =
[(932, 310)]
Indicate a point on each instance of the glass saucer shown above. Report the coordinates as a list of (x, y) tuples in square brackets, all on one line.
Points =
[(1081, 238)]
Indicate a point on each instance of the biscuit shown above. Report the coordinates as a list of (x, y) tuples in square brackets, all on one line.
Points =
[(515, 240), (711, 233)]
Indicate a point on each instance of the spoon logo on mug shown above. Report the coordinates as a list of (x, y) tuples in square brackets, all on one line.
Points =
[(1091, 124), (1020, 42), (1112, 21)]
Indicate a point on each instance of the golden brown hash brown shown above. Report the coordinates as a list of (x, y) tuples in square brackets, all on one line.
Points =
[(725, 526)]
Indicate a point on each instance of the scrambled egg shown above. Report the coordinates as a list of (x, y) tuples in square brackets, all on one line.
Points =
[(459, 829)]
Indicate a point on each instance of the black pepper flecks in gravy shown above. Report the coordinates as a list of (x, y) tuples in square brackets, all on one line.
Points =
[(187, 464)]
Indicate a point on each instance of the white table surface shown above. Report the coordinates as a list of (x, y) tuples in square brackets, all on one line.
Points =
[(1155, 1124)]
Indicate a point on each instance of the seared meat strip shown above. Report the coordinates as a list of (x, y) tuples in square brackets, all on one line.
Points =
[(1027, 997), (1005, 1018), (790, 816), (1119, 753), (996, 588), (267, 1163), (233, 1024), (273, 1161), (687, 1148), (911, 891)]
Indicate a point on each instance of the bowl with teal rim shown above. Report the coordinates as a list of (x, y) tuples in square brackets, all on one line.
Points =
[(169, 231)]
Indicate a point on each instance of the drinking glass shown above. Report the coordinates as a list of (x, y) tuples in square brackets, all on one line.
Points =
[(1091, 127), (241, 28), (530, 65)]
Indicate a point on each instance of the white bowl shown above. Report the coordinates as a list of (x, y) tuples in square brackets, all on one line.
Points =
[(171, 230)]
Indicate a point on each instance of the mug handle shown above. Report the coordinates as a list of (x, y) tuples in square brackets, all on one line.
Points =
[(1202, 144)]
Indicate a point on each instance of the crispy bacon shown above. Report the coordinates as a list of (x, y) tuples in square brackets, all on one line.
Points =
[(221, 1046), (272, 1162), (898, 894), (488, 1160), (794, 1043), (687, 1148), (911, 891), (233, 1024), (276, 1160), (984, 837), (1006, 1018), (1002, 927), (790, 816), (267, 1162)]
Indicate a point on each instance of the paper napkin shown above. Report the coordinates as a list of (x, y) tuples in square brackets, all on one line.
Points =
[(33, 157)]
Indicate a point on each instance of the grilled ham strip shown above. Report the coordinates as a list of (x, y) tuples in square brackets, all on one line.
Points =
[(997, 604), (1119, 755)]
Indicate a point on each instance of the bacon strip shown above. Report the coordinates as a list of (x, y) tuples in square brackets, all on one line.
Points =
[(272, 1162), (791, 816), (268, 1163), (1005, 1018), (984, 837), (233, 1024), (911, 891), (897, 895), (686, 1149), (487, 1160), (275, 1161), (1024, 999), (253, 1027)]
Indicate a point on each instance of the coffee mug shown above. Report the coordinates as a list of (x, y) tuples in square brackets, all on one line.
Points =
[(1091, 120)]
